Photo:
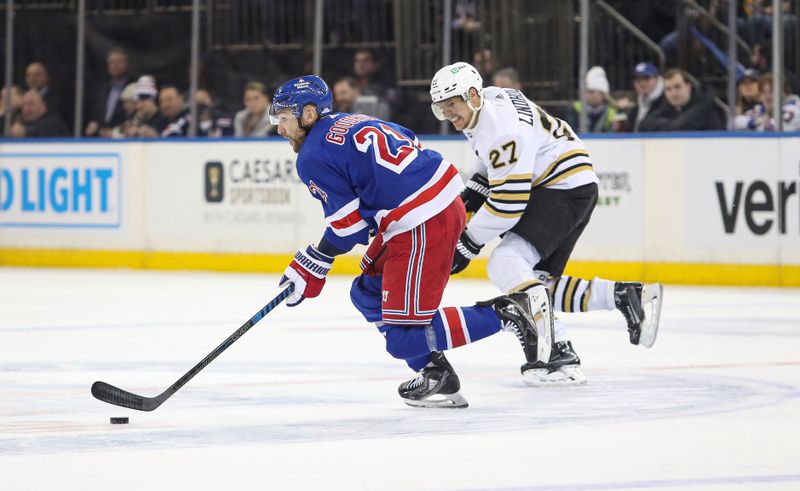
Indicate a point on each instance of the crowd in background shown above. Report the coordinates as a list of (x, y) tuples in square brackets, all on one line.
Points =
[(131, 105), (671, 102)]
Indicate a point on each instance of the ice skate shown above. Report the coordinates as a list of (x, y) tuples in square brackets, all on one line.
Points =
[(641, 305), (530, 318), (436, 385), (563, 369)]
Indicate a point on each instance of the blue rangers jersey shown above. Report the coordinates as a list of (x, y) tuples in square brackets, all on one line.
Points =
[(372, 174)]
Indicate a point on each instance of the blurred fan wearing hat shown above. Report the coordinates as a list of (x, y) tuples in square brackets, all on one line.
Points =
[(649, 87), (748, 94), (147, 122), (600, 113)]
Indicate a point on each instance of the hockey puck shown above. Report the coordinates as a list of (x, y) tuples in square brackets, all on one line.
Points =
[(119, 421)]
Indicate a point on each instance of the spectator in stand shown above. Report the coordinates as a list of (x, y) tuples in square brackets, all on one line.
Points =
[(16, 104), (108, 111), (345, 92), (506, 78), (215, 120), (761, 57), (599, 110), (366, 68), (253, 120), (649, 87), (36, 120), (465, 25), (759, 22), (761, 117), (347, 98), (206, 121), (485, 62), (173, 107), (686, 109), (761, 60), (466, 16), (749, 94), (147, 122), (128, 101), (38, 78)]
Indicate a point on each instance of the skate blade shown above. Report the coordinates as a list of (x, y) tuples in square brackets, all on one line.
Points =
[(566, 376), (652, 297), (440, 400)]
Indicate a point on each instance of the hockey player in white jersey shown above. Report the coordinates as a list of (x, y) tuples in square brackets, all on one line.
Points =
[(534, 185)]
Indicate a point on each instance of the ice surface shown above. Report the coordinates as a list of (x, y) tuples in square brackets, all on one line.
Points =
[(307, 399)]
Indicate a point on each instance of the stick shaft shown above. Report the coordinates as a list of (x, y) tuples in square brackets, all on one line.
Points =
[(113, 395), (229, 341)]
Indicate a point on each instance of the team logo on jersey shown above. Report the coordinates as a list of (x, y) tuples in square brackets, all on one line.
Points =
[(317, 191)]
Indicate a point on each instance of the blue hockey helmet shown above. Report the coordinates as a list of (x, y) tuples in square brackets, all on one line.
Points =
[(300, 92)]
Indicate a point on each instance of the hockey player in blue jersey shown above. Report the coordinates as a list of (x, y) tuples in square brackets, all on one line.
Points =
[(374, 176)]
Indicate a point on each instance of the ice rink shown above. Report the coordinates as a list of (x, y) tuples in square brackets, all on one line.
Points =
[(307, 399)]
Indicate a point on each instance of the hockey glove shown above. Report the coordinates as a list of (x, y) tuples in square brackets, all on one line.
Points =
[(475, 194), (307, 272), (466, 250)]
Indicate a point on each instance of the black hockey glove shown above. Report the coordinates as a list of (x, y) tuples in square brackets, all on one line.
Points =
[(466, 250), (475, 193)]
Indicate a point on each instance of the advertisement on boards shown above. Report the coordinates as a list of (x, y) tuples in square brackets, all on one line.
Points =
[(60, 190), (743, 194), (236, 196), (616, 229), (239, 181)]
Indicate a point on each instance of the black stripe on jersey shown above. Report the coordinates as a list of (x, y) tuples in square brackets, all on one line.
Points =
[(510, 191), (502, 211), (584, 302), (511, 201), (552, 177), (510, 181), (552, 167), (569, 157)]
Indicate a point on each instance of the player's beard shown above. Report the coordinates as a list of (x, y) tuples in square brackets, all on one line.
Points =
[(297, 143)]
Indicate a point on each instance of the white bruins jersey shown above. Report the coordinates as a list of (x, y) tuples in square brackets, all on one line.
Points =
[(520, 147)]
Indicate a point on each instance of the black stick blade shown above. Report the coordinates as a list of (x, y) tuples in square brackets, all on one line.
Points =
[(118, 397)]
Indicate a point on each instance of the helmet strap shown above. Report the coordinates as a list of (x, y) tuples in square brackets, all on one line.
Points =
[(475, 110), (305, 127)]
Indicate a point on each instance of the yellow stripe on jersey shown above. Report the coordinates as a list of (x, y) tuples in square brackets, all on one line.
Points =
[(521, 197), (574, 170), (570, 290), (561, 159), (511, 178), (525, 286), (502, 214)]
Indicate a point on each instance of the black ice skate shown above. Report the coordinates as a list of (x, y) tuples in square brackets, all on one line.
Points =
[(436, 385), (641, 306), (529, 317), (563, 369)]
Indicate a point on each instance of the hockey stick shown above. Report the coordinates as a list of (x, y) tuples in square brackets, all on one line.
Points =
[(113, 395)]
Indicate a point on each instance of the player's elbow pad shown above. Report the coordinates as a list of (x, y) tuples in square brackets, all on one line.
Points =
[(476, 193)]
